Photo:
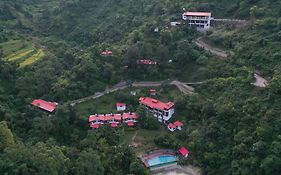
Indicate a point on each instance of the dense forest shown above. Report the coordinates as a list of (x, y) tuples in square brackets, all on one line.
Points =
[(232, 126)]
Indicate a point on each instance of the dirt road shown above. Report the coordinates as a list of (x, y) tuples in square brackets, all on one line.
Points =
[(216, 51), (260, 81), (182, 86)]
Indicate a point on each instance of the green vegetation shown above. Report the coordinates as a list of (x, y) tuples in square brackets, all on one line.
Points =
[(231, 127)]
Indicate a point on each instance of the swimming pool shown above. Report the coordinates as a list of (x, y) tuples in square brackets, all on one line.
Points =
[(162, 159)]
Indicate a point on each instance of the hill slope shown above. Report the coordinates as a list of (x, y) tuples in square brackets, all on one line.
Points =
[(231, 126)]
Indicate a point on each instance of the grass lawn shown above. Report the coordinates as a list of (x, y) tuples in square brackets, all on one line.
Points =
[(143, 141)]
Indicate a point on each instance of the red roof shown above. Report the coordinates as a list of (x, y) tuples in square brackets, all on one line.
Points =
[(178, 123), (93, 118), (45, 105), (109, 117), (117, 117), (131, 124), (155, 103), (95, 126), (120, 104), (147, 62), (114, 125), (152, 90), (130, 116), (197, 14), (102, 117), (184, 151), (172, 126), (106, 52)]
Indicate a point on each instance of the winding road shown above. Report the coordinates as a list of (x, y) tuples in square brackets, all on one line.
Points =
[(216, 51)]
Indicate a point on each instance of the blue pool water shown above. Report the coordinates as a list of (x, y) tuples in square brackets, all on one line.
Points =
[(163, 159)]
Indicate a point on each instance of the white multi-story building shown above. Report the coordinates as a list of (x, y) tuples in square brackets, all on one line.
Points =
[(198, 19), (163, 111)]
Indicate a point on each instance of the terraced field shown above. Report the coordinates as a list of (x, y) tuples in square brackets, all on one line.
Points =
[(22, 52), (35, 57)]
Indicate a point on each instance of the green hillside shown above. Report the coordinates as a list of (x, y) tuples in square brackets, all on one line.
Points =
[(51, 50)]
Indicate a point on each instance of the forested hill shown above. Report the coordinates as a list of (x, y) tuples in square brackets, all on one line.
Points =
[(50, 49)]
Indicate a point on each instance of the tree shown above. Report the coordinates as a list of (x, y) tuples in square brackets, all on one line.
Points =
[(89, 163), (137, 168), (41, 159), (6, 136)]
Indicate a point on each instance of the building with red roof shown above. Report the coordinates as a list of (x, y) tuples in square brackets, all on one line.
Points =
[(172, 127), (130, 117), (152, 92), (94, 125), (163, 111), (184, 151), (198, 19), (113, 119), (106, 53), (131, 123), (114, 124), (178, 124), (45, 105), (146, 62), (120, 106)]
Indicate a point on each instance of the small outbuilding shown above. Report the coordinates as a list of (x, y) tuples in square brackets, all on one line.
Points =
[(120, 106), (174, 24), (152, 92), (106, 53), (178, 124), (184, 152), (94, 125), (146, 62), (172, 127), (45, 105)]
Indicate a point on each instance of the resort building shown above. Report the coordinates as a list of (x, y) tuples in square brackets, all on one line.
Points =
[(130, 118), (106, 53), (146, 62), (198, 19), (121, 106), (163, 111), (152, 92), (113, 119), (45, 105), (174, 126), (184, 152), (178, 124)]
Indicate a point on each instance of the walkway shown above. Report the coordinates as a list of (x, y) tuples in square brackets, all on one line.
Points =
[(174, 169)]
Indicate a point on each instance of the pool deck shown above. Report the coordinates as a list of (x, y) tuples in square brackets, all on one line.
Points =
[(154, 154), (173, 169)]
